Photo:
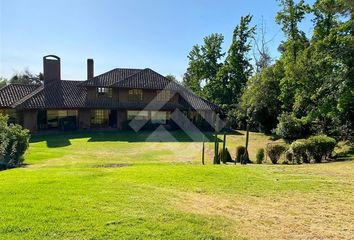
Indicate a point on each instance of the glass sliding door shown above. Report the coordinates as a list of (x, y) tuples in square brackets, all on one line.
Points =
[(100, 118), (62, 119)]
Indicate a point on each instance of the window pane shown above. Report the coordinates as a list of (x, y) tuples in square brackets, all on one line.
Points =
[(158, 117), (163, 95), (104, 92), (138, 115), (99, 117), (135, 95)]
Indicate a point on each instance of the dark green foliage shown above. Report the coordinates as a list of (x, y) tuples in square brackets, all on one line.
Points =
[(26, 77), (320, 147), (260, 156), (233, 75), (240, 151), (13, 143), (261, 97), (289, 157), (274, 152), (225, 156), (204, 63), (241, 157), (300, 149), (290, 127)]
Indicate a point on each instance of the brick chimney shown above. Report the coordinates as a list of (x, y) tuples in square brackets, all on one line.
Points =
[(51, 69), (90, 72)]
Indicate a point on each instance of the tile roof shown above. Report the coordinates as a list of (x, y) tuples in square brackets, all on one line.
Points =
[(110, 77), (147, 79), (61, 94), (73, 94), (12, 93)]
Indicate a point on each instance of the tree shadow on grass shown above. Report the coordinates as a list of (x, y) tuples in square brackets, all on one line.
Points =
[(62, 139)]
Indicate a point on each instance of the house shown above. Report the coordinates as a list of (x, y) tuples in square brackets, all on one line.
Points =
[(109, 100)]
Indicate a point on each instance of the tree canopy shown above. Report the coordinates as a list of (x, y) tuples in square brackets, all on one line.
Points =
[(310, 83)]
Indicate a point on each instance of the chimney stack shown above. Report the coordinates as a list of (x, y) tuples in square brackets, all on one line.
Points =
[(90, 72), (51, 69)]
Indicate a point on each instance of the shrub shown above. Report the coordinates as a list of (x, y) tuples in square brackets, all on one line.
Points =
[(289, 127), (300, 150), (289, 156), (240, 153), (320, 147), (274, 152), (13, 143), (260, 155), (225, 156)]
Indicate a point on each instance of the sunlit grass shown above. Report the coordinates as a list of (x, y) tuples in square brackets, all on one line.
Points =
[(114, 185)]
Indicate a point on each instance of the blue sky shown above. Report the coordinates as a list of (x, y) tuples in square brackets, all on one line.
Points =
[(132, 33)]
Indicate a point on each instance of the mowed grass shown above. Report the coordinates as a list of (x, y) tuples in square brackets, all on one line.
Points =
[(115, 185)]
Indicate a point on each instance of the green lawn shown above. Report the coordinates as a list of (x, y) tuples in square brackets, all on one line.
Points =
[(115, 185)]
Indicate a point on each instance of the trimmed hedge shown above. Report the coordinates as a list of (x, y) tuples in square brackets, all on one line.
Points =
[(260, 156), (300, 149), (320, 147), (274, 152), (225, 156), (240, 152), (314, 148)]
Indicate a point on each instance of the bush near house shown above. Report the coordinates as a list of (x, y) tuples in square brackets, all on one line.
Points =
[(274, 152), (13, 143)]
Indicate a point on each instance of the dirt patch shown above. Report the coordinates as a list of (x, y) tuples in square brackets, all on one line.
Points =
[(112, 165), (288, 217)]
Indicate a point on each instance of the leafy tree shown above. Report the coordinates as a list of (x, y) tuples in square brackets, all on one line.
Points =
[(171, 77), (289, 18), (261, 97), (26, 77), (233, 75), (204, 63)]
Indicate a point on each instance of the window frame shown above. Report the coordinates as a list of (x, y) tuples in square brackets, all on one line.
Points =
[(104, 92), (135, 95), (163, 95)]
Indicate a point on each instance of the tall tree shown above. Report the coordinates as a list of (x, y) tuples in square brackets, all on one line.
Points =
[(261, 98), (233, 75), (289, 18), (261, 53), (325, 94), (204, 63)]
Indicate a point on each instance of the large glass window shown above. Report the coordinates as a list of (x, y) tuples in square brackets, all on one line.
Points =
[(135, 95), (159, 117), (59, 118), (104, 92), (100, 118), (138, 115), (163, 95)]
